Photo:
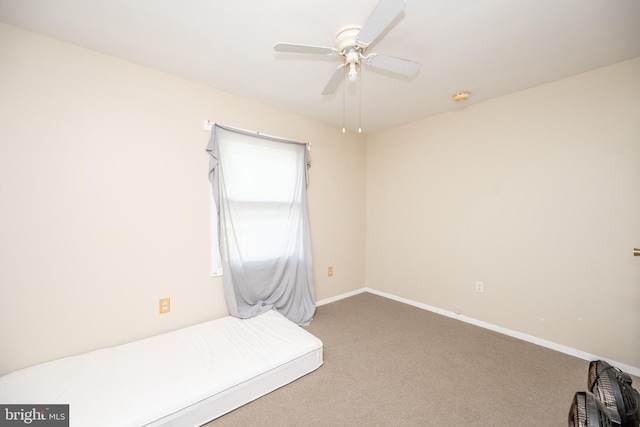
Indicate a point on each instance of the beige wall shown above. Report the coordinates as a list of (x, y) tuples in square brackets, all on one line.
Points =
[(105, 205), (536, 194), (105, 199)]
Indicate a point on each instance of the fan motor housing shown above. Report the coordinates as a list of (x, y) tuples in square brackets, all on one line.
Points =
[(347, 38)]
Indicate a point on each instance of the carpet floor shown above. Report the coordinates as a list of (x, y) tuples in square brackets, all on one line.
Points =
[(391, 364)]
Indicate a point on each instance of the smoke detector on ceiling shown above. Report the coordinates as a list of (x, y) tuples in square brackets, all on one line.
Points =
[(461, 96)]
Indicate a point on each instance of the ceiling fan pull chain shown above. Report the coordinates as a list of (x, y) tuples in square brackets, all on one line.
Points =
[(343, 106), (360, 102)]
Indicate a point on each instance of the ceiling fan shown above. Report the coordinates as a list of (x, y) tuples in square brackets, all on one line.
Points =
[(352, 44)]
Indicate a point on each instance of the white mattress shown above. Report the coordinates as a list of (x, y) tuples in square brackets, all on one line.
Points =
[(186, 377)]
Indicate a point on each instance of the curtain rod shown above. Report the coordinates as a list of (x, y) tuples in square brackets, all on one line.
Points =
[(208, 126)]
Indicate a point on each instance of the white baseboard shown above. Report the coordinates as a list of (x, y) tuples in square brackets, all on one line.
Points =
[(339, 297), (515, 334)]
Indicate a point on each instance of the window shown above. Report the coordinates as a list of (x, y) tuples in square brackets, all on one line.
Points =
[(261, 185)]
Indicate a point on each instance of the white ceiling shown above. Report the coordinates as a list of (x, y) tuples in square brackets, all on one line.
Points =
[(489, 47)]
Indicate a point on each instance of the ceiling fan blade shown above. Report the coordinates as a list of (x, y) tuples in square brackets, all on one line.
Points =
[(334, 81), (395, 65), (385, 12), (303, 48)]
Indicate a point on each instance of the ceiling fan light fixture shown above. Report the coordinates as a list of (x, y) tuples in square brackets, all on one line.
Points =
[(461, 96), (353, 72), (353, 60)]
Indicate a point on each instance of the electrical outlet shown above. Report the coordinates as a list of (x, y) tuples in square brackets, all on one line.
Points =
[(479, 287), (330, 271), (164, 305)]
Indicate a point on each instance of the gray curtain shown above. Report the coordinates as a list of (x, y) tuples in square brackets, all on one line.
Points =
[(259, 188)]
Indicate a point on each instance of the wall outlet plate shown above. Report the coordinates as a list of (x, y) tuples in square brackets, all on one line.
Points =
[(164, 306)]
